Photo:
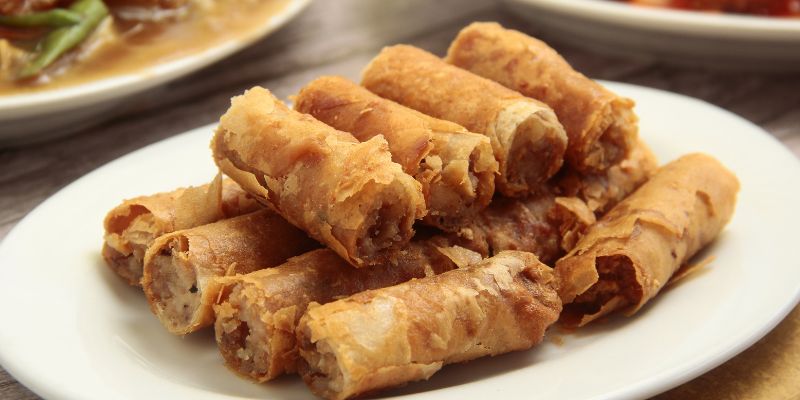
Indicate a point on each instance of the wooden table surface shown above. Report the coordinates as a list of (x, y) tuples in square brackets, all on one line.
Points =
[(339, 37)]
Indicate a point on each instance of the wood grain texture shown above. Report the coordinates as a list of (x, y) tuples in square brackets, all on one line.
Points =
[(339, 37)]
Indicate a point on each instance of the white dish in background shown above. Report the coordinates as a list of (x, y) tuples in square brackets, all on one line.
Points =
[(73, 330), (686, 37), (47, 114)]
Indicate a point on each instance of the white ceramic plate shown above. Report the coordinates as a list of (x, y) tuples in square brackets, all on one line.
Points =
[(687, 37), (50, 113), (72, 330)]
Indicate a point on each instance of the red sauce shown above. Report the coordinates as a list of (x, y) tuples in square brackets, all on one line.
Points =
[(781, 8), (772, 8)]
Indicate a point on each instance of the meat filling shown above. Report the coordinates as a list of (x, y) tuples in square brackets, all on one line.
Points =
[(326, 375), (175, 287), (534, 143), (616, 287), (242, 334)]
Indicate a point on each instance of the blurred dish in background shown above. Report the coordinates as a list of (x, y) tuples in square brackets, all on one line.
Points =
[(711, 39), (63, 64), (110, 346), (48, 43), (769, 8)]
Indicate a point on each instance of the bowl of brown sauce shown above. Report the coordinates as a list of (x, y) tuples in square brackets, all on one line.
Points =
[(66, 64)]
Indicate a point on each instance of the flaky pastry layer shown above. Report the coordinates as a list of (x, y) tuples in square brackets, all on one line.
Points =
[(133, 225), (348, 195), (551, 222), (634, 250), (455, 167), (179, 266), (257, 313), (601, 125), (527, 139), (388, 337)]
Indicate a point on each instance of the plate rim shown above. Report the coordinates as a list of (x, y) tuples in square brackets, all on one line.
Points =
[(676, 21), (124, 85), (653, 385)]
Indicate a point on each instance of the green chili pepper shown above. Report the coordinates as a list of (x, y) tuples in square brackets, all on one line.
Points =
[(63, 39), (57, 17)]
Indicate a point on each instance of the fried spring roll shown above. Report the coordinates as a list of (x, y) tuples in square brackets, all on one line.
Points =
[(388, 337), (544, 225), (634, 250), (512, 224), (550, 223), (179, 266), (601, 125), (603, 190), (527, 139), (257, 313), (346, 194), (455, 167), (132, 226)]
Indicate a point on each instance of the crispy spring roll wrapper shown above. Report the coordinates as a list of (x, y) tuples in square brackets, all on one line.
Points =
[(179, 266), (550, 223), (388, 337), (545, 225), (132, 226), (601, 125), (634, 250), (527, 139), (348, 195), (455, 167), (603, 190), (257, 313)]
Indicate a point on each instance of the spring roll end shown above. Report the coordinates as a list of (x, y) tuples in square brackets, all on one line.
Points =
[(467, 180), (625, 259), (319, 366), (173, 289), (385, 226), (129, 267), (610, 141), (249, 336), (130, 228), (595, 286), (534, 143)]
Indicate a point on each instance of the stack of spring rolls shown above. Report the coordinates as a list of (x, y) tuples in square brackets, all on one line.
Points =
[(440, 211)]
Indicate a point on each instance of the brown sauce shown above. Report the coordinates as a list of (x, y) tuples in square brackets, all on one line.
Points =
[(142, 45)]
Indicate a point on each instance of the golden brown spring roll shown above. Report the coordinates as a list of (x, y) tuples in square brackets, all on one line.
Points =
[(179, 266), (348, 195), (603, 190), (132, 226), (634, 250), (455, 167), (543, 224), (391, 336), (527, 139), (601, 126), (550, 223), (512, 224), (257, 313)]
